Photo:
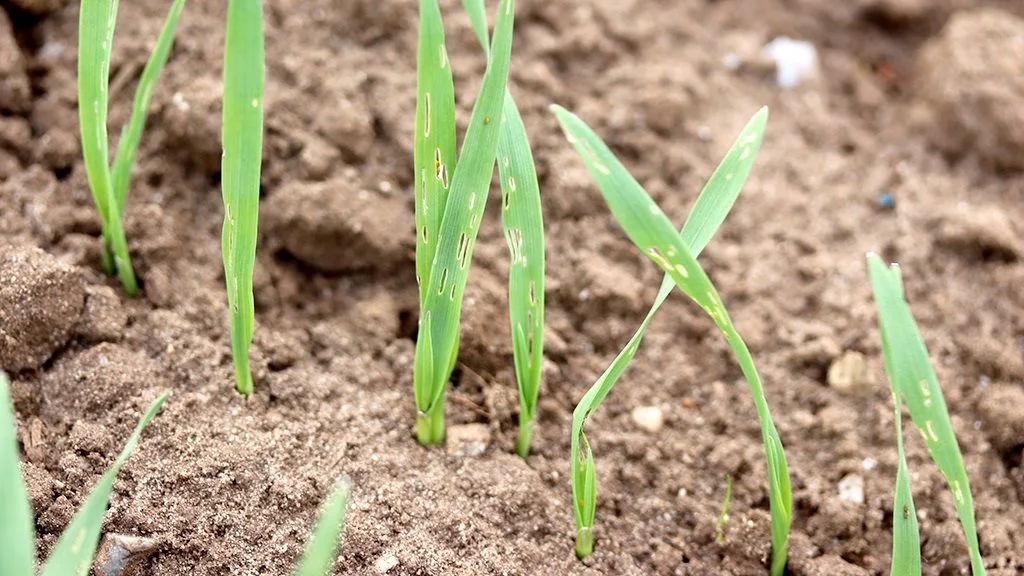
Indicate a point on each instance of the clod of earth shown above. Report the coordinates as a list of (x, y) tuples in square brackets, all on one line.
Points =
[(41, 299)]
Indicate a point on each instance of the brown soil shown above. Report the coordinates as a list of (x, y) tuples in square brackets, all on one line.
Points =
[(228, 486)]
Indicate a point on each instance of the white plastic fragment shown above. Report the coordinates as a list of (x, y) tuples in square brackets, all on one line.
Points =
[(795, 60)]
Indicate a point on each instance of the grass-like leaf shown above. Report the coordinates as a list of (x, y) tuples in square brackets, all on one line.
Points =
[(131, 134), (652, 232), (442, 303), (723, 514), (523, 221), (240, 172), (76, 546), (17, 531), (110, 188), (913, 379), (322, 548), (95, 40)]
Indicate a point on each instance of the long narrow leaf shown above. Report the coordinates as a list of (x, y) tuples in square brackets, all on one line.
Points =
[(243, 149), (434, 154), (911, 373), (322, 548), (95, 40), (74, 551), (17, 531), (461, 222), (652, 232), (131, 134), (906, 537), (523, 222)]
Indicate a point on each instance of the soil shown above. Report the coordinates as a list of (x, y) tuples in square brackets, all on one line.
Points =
[(918, 99)]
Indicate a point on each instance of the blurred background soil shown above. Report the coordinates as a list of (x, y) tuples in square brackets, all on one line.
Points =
[(909, 141)]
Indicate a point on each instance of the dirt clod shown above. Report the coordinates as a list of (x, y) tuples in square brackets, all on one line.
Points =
[(849, 374), (104, 318), (336, 226), (14, 86), (41, 299), (1002, 419), (468, 439), (972, 74)]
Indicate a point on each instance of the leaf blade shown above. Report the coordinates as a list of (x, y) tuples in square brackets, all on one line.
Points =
[(17, 530), (322, 548)]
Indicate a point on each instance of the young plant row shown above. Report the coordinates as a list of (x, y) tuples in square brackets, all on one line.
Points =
[(450, 199), (451, 192)]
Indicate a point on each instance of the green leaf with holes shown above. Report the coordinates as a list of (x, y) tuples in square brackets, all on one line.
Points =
[(914, 381), (652, 232), (523, 221), (442, 300)]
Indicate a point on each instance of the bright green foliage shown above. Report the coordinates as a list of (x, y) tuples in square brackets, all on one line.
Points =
[(17, 531), (523, 221), (441, 305), (913, 379), (240, 172), (906, 537), (652, 232), (76, 547), (724, 514), (109, 191), (322, 548)]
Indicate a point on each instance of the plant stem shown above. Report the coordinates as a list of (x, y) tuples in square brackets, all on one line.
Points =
[(525, 434), (584, 542), (430, 425), (106, 255)]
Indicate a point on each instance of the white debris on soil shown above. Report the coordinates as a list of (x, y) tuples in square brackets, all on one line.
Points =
[(849, 374), (468, 439), (386, 562), (795, 60), (649, 418), (851, 489)]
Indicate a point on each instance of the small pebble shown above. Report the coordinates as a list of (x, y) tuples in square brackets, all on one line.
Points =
[(851, 489), (468, 439), (123, 555), (649, 418), (385, 563), (849, 374)]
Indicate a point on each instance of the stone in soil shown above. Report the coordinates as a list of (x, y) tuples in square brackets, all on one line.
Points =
[(648, 418), (849, 374), (41, 299), (972, 77), (468, 439)]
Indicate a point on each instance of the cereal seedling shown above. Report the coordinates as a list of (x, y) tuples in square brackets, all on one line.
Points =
[(523, 221), (913, 381), (74, 551), (322, 548), (110, 186), (723, 515), (450, 199), (652, 232), (240, 172)]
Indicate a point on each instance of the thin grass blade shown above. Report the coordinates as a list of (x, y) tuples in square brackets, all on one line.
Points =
[(17, 531), (76, 547), (911, 373), (131, 134), (95, 40), (322, 548), (457, 237), (652, 232), (240, 169), (523, 221)]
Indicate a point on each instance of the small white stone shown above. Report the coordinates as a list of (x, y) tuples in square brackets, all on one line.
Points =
[(648, 418), (869, 464), (795, 60), (851, 489), (385, 563)]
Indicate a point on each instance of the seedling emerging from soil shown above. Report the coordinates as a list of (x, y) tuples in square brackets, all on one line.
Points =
[(522, 218), (914, 381), (240, 172), (723, 516), (76, 547), (110, 187), (652, 232), (322, 548), (450, 199)]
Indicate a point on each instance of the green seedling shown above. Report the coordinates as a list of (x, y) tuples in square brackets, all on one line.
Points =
[(913, 381), (523, 221), (449, 208), (723, 516), (240, 172), (74, 551), (110, 186), (652, 232), (322, 548)]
